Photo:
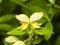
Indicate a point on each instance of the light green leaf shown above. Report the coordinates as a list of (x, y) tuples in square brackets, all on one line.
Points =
[(47, 31), (43, 31), (0, 0), (49, 26), (16, 31), (6, 17), (47, 36)]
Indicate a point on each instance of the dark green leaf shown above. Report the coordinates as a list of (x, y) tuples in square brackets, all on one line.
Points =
[(6, 17), (7, 7), (6, 27), (6, 43), (19, 1), (57, 42)]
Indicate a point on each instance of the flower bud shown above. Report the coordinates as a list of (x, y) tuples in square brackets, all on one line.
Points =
[(19, 43), (11, 39)]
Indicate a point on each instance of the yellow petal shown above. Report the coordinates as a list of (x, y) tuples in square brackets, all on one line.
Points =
[(11, 39), (23, 26), (36, 16), (22, 17), (19, 43), (36, 24)]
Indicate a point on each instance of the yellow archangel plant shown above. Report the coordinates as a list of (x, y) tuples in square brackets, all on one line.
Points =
[(25, 21)]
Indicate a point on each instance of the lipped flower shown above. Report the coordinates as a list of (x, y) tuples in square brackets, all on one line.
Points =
[(11, 39), (19, 43), (14, 40), (25, 20)]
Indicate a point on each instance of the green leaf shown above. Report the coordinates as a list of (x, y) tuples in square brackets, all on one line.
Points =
[(6, 27), (46, 16), (47, 36), (36, 41), (36, 6), (36, 9), (43, 20), (43, 31), (7, 7), (28, 43), (6, 17), (20, 3), (16, 31), (47, 31), (49, 26)]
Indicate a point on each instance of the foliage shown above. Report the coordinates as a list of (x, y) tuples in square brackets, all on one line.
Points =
[(48, 34)]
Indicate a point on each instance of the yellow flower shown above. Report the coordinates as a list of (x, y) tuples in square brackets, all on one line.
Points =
[(11, 39), (19, 43), (25, 21)]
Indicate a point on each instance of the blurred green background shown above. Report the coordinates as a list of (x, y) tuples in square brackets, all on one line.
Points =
[(9, 8)]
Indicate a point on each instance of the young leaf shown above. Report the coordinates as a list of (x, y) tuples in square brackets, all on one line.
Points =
[(47, 36), (16, 31), (47, 31), (43, 31), (49, 26)]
